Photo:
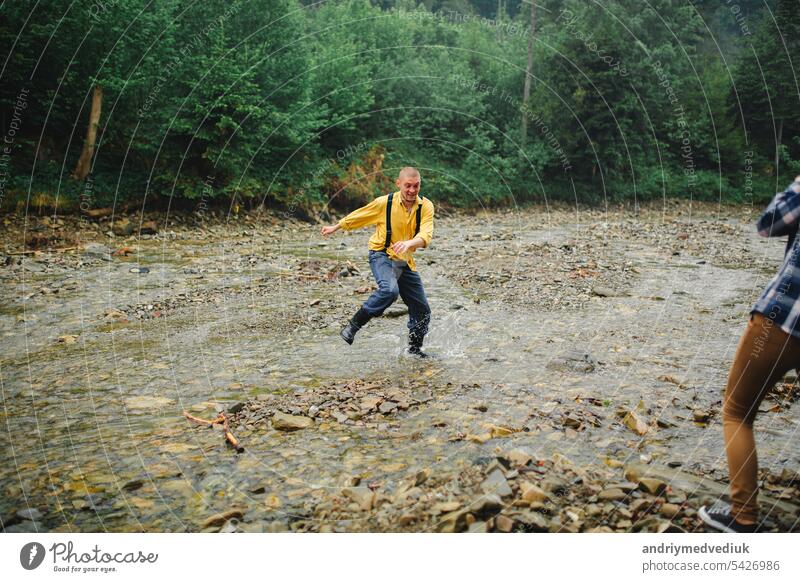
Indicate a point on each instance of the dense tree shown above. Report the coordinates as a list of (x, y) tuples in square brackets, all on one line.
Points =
[(291, 102)]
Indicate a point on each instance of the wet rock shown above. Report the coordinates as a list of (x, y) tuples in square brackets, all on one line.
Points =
[(30, 513), (149, 227), (652, 486), (670, 510), (503, 523), (532, 493), (573, 361), (421, 477), (634, 423), (236, 407), (532, 521), (97, 250), (288, 422), (123, 227), (604, 292), (133, 485), (407, 519), (23, 527), (219, 519), (446, 507), (387, 407), (487, 504), (394, 312), (362, 496), (613, 494), (496, 483), (518, 458)]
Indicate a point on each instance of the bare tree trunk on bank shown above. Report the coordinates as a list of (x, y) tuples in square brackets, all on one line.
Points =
[(85, 161), (526, 92)]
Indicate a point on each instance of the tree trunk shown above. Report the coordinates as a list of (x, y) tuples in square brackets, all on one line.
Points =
[(526, 92), (778, 147), (85, 161)]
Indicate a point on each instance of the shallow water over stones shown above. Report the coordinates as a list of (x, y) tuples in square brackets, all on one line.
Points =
[(551, 334)]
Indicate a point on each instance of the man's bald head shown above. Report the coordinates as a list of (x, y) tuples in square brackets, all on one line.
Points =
[(408, 172), (408, 181)]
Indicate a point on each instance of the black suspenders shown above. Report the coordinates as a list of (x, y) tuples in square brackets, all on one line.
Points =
[(389, 219)]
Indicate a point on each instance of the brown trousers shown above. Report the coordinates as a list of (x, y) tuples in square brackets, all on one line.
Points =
[(764, 355)]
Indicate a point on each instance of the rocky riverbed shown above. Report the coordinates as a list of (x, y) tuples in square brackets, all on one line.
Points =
[(581, 355)]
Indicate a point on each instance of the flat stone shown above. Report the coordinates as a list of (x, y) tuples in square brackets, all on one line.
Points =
[(613, 494), (496, 483), (533, 520), (97, 250), (387, 407), (604, 292), (29, 513), (573, 361), (532, 493), (396, 312), (445, 507), (281, 421), (370, 402)]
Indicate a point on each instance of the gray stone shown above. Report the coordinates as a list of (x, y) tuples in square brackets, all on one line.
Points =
[(30, 513), (496, 483), (573, 361), (97, 250), (387, 407)]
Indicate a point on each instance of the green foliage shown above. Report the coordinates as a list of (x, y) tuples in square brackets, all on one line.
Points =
[(304, 104)]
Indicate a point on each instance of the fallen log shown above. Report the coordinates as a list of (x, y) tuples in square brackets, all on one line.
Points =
[(223, 420)]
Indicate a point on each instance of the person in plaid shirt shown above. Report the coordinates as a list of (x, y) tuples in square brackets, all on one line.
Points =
[(769, 347)]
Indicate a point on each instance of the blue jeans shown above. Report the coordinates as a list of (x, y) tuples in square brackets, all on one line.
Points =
[(397, 279)]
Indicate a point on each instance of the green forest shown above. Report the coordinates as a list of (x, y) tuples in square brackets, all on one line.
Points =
[(305, 105)]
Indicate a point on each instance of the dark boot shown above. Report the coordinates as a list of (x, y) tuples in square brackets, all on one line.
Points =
[(359, 320), (415, 345)]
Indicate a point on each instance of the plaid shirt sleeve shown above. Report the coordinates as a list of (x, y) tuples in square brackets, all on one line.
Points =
[(782, 216)]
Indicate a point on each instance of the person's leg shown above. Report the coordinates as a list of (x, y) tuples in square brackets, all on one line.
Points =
[(419, 312), (383, 297), (386, 278), (765, 353)]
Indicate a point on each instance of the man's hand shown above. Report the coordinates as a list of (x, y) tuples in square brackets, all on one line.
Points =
[(328, 230), (402, 247)]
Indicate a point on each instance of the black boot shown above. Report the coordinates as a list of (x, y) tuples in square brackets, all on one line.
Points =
[(415, 345), (359, 320)]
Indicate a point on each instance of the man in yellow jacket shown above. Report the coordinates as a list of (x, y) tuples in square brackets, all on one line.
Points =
[(410, 226)]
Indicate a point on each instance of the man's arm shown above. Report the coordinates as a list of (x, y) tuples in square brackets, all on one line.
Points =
[(782, 216), (424, 236), (364, 216)]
